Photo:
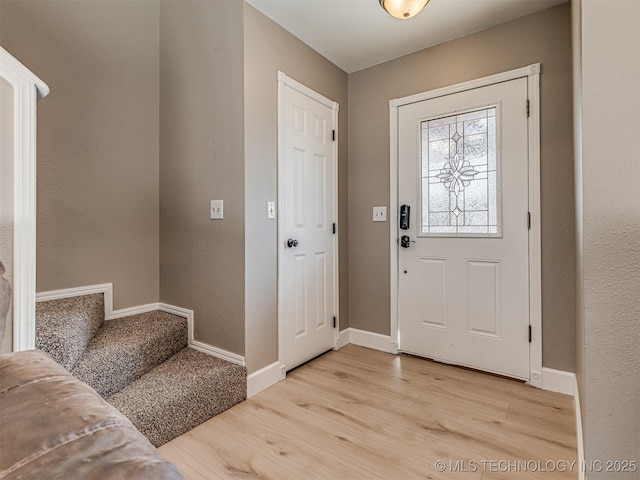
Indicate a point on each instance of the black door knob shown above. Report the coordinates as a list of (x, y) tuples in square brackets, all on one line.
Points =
[(405, 241), (291, 243)]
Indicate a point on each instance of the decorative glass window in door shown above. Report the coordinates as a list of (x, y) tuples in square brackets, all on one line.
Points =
[(460, 189)]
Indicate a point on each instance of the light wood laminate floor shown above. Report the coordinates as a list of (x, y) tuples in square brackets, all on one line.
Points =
[(362, 414)]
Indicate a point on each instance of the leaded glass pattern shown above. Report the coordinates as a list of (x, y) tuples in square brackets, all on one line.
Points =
[(459, 180)]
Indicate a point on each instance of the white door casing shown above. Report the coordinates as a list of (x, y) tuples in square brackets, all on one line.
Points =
[(307, 213), (510, 260), (28, 89)]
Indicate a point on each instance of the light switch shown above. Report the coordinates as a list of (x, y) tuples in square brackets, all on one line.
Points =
[(379, 214), (216, 210), (271, 210)]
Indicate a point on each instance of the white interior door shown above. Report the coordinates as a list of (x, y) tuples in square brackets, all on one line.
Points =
[(308, 247), (463, 278)]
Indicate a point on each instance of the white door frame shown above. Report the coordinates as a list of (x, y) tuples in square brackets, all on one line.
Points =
[(284, 80), (28, 89), (532, 73)]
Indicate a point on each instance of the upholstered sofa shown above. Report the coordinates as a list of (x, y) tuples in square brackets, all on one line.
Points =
[(54, 426)]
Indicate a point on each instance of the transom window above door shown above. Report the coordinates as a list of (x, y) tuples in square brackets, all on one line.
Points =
[(460, 165)]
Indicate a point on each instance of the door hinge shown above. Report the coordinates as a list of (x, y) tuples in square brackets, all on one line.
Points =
[(333, 135), (334, 322), (334, 228), (529, 333), (529, 220), (528, 108)]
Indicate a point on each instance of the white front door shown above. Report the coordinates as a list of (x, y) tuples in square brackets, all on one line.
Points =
[(308, 206), (463, 274)]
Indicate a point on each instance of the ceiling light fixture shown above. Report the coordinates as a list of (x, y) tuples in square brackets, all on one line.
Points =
[(403, 9)]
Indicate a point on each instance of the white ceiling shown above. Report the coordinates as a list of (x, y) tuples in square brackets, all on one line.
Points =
[(356, 34)]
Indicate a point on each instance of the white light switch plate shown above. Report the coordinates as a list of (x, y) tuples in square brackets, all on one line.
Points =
[(217, 210), (271, 210), (379, 214)]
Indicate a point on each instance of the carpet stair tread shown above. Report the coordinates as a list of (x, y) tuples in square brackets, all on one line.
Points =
[(141, 364), (181, 393), (64, 327), (124, 349)]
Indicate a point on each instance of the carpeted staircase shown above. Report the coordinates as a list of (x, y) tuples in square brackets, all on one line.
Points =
[(140, 364)]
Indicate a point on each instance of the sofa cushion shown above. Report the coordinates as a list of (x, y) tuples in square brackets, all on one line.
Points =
[(54, 426)]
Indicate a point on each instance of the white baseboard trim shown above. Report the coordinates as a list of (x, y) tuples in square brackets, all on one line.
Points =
[(180, 312), (127, 312), (264, 378), (217, 352), (197, 345), (567, 383), (558, 381), (370, 340), (582, 475), (105, 288)]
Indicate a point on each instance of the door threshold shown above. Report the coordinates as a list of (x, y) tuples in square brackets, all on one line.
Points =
[(464, 367)]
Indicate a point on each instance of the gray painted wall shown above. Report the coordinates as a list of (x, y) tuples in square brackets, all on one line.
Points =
[(267, 49), (97, 141), (543, 37), (609, 360), (147, 110), (201, 159)]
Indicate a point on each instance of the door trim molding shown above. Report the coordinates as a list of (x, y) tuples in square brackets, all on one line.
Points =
[(28, 89), (532, 73), (286, 81)]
